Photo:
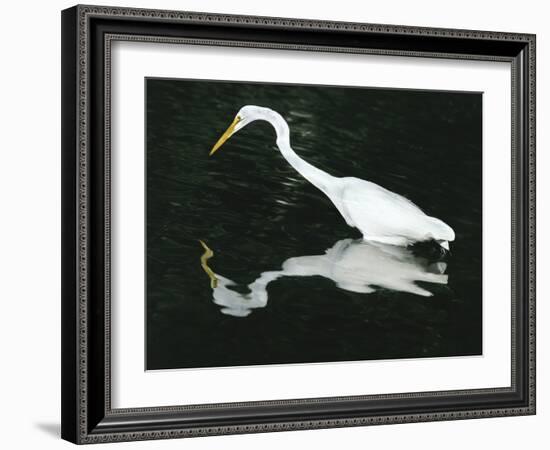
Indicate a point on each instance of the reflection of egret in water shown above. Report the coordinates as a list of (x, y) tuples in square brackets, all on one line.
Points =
[(354, 265)]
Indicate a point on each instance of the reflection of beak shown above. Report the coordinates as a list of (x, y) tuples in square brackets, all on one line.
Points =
[(226, 135), (204, 264)]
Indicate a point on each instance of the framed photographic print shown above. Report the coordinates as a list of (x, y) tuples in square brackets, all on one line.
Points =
[(280, 224)]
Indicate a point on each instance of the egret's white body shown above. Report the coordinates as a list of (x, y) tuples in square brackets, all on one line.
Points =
[(379, 214)]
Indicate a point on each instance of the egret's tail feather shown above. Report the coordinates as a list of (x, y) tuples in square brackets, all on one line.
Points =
[(441, 231)]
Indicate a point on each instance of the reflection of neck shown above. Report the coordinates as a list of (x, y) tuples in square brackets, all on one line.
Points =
[(258, 288), (315, 176)]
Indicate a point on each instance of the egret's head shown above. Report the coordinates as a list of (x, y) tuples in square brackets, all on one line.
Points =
[(245, 115)]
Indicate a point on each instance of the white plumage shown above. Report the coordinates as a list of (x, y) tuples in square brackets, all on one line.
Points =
[(379, 214)]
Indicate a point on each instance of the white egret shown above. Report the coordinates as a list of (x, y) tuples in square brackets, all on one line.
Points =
[(353, 265), (379, 214)]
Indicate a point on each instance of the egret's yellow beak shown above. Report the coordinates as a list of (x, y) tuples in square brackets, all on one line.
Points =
[(226, 135)]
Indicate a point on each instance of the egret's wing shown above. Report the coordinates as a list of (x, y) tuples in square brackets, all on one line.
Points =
[(375, 211)]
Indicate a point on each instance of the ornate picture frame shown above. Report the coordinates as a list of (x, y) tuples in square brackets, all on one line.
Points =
[(88, 415)]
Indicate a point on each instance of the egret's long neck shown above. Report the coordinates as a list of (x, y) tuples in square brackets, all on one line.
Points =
[(315, 176)]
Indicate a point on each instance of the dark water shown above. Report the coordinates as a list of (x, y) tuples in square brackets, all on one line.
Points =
[(269, 228)]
